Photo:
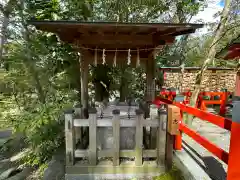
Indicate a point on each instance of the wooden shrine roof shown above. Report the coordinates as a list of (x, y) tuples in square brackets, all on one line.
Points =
[(114, 35)]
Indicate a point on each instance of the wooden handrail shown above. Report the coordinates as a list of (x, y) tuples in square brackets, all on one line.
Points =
[(232, 158)]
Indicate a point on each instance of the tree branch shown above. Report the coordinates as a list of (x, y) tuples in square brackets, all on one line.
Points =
[(223, 34)]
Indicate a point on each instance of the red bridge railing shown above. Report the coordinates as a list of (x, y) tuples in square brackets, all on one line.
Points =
[(232, 158), (201, 102)]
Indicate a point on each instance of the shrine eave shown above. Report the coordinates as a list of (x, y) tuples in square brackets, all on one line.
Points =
[(111, 35)]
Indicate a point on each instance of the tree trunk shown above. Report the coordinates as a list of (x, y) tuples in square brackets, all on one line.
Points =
[(210, 55), (4, 39), (6, 14), (29, 63)]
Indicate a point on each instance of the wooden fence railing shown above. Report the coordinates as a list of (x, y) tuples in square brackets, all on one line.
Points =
[(201, 102), (93, 153), (232, 157)]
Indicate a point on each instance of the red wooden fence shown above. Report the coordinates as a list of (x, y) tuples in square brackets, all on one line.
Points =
[(232, 158), (201, 102)]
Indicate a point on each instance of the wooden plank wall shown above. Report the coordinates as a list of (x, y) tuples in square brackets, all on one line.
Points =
[(116, 122)]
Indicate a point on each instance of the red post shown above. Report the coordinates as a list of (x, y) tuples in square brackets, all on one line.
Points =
[(234, 153), (178, 138), (203, 106), (223, 103), (178, 142), (234, 150), (220, 153)]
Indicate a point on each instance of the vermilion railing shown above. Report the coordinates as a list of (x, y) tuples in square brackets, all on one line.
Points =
[(232, 158), (201, 102)]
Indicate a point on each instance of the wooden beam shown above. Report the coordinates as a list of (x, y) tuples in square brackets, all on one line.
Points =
[(153, 153), (161, 136), (163, 41), (69, 138), (93, 137), (84, 62), (139, 138), (164, 32), (169, 151), (150, 78), (116, 137), (119, 39), (121, 57), (110, 122), (116, 46), (186, 31), (148, 168)]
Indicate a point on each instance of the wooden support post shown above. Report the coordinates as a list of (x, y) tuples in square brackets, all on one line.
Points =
[(116, 137), (169, 151), (69, 137), (224, 99), (153, 130), (150, 92), (234, 149), (139, 137), (84, 79), (161, 136), (93, 136), (173, 119), (150, 77), (78, 130)]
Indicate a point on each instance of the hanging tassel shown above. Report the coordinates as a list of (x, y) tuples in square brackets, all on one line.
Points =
[(138, 59), (115, 59), (103, 57), (129, 57), (95, 57)]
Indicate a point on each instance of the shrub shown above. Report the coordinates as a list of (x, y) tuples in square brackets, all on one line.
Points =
[(43, 130)]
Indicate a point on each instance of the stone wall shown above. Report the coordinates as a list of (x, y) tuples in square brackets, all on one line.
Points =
[(213, 80)]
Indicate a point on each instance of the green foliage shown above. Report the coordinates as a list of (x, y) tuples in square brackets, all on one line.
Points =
[(41, 83), (198, 47), (44, 9), (44, 131), (173, 174), (43, 74), (129, 11), (77, 10)]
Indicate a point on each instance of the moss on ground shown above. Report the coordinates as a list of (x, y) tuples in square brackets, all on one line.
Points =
[(173, 174)]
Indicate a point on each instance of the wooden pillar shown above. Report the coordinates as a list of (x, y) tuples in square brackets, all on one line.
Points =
[(116, 137), (150, 77), (84, 79), (69, 137), (150, 94), (93, 137), (78, 130), (161, 136), (139, 138)]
